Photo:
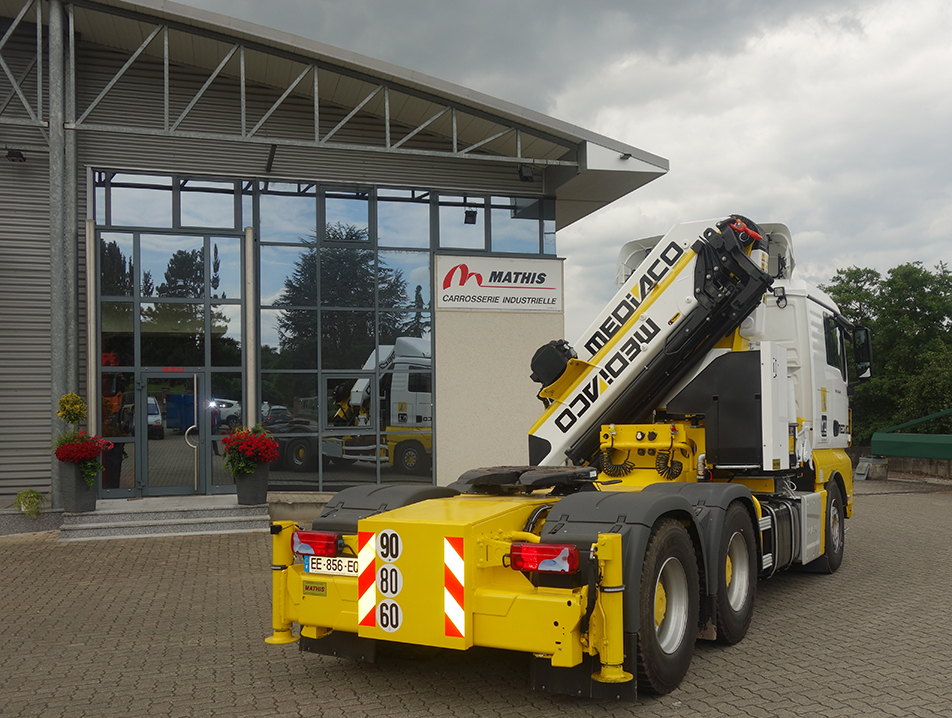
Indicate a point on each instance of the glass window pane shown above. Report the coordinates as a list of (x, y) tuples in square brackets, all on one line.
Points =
[(172, 266), (515, 225), (141, 201), (288, 213), (100, 203), (290, 402), (289, 411), (226, 334), (119, 466), (289, 339), (172, 334), (349, 402), (347, 277), (346, 217), (403, 218), (118, 393), (226, 396), (347, 339), (247, 209), (116, 271), (289, 275), (462, 223), (118, 343), (225, 270), (407, 416), (395, 324), (548, 236), (207, 204), (404, 279), (350, 460)]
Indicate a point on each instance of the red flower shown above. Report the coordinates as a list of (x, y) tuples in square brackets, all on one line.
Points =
[(80, 447)]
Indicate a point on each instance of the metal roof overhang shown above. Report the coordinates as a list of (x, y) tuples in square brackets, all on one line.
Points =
[(585, 171)]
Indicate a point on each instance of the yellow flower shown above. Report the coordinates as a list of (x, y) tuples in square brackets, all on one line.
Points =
[(72, 409)]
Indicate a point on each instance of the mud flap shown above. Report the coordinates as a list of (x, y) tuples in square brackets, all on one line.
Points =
[(577, 681), (341, 645)]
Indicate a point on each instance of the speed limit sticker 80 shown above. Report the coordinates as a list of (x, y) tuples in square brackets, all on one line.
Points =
[(389, 580)]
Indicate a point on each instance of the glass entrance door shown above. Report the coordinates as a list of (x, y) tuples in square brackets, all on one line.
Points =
[(173, 442)]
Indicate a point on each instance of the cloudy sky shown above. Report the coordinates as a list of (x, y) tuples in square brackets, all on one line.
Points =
[(831, 116)]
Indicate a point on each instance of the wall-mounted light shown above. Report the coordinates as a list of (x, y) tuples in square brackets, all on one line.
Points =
[(525, 173), (469, 216), (15, 156)]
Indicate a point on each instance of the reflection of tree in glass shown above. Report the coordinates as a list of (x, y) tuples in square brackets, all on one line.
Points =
[(116, 271), (348, 276), (116, 279), (419, 323), (173, 333)]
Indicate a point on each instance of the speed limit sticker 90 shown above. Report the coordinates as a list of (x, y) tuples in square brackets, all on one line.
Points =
[(389, 545)]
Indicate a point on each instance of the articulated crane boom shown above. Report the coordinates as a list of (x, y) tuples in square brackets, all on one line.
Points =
[(689, 293), (691, 442)]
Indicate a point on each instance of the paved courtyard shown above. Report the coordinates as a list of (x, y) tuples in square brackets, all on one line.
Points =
[(175, 627)]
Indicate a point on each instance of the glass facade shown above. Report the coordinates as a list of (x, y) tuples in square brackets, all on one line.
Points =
[(344, 314)]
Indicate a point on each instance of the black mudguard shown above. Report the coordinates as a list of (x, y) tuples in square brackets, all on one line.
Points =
[(351, 505), (579, 519), (710, 502)]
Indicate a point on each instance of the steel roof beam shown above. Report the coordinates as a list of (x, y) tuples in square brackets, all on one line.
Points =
[(119, 74), (208, 82)]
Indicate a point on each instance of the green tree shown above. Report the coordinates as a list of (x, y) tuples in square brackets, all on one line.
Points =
[(909, 312)]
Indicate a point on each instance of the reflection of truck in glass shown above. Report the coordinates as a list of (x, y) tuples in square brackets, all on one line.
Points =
[(405, 415)]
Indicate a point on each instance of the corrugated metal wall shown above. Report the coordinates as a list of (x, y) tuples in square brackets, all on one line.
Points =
[(25, 408)]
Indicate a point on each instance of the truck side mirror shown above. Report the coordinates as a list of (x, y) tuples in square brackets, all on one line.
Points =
[(863, 353)]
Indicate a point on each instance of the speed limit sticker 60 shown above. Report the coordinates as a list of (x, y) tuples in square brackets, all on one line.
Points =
[(389, 615)]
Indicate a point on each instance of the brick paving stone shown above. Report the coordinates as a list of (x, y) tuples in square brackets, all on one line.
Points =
[(175, 626)]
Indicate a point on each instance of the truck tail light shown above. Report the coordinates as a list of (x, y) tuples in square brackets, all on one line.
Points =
[(315, 543), (544, 557)]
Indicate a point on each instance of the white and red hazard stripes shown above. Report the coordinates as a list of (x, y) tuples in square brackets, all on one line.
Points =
[(366, 578), (454, 583)]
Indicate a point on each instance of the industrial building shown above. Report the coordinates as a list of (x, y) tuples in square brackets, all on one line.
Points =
[(207, 222)]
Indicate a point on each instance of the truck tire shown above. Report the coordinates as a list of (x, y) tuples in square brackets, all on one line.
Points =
[(835, 529), (668, 608), (411, 458), (299, 456), (737, 576)]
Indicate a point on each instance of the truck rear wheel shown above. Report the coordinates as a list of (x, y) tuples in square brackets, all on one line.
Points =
[(835, 528), (737, 576), (668, 608)]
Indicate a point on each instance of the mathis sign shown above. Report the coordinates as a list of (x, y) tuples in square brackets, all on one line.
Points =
[(499, 284)]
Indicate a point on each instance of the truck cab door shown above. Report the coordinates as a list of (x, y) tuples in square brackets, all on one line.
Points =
[(833, 427)]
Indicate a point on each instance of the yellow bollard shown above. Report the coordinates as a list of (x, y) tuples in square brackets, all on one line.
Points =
[(281, 558), (611, 598)]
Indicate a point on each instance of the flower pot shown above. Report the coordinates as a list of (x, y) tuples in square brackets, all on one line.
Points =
[(77, 496), (253, 488)]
